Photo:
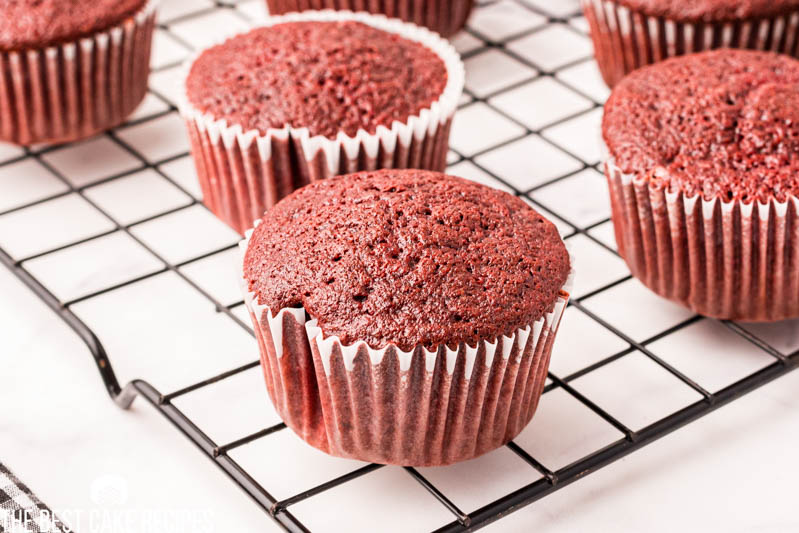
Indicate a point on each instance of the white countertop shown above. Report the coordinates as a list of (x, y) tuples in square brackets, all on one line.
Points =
[(528, 124), (733, 470)]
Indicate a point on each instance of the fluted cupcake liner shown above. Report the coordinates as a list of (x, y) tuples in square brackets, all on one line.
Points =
[(73, 90), (417, 407), (445, 17), (243, 173), (724, 259), (625, 39)]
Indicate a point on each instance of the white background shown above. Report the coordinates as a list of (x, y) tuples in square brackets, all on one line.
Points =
[(528, 124)]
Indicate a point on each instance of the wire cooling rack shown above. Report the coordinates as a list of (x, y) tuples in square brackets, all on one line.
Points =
[(110, 233)]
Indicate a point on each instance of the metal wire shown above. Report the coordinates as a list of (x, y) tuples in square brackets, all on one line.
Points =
[(279, 510)]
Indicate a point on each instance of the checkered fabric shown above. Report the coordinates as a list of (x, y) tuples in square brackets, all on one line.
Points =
[(21, 511)]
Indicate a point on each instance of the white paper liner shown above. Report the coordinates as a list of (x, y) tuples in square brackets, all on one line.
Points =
[(445, 17), (625, 40), (73, 90), (724, 259), (244, 173), (417, 407)]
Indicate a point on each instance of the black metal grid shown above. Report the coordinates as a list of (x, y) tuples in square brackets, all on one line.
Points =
[(280, 510)]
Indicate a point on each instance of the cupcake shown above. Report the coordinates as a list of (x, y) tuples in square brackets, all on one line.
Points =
[(704, 181), (71, 68), (445, 17), (629, 34), (405, 316), (311, 96)]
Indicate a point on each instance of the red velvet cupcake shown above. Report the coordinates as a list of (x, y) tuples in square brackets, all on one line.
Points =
[(445, 17), (71, 68), (405, 316), (629, 34), (704, 178), (311, 96)]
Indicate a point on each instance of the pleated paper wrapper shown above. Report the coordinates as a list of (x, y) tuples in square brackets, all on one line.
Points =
[(445, 17), (625, 39), (723, 259), (243, 173), (391, 406), (73, 90)]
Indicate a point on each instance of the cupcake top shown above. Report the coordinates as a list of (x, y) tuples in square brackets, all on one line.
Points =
[(40, 23), (325, 76), (711, 10), (408, 257), (721, 124)]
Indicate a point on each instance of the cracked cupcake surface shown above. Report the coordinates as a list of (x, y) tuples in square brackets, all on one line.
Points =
[(722, 124), (711, 10), (324, 76), (407, 257), (40, 23)]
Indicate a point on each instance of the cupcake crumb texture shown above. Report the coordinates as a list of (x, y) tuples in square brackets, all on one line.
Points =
[(407, 257), (326, 76), (711, 10), (723, 124), (41, 23)]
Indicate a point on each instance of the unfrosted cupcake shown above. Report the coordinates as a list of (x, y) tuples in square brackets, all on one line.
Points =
[(704, 177), (405, 316), (629, 34), (446, 17), (311, 96), (71, 68)]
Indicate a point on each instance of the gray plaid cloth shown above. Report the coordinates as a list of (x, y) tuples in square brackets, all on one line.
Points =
[(21, 511)]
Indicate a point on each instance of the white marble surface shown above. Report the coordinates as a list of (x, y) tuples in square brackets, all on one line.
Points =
[(131, 472), (61, 433), (734, 470)]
